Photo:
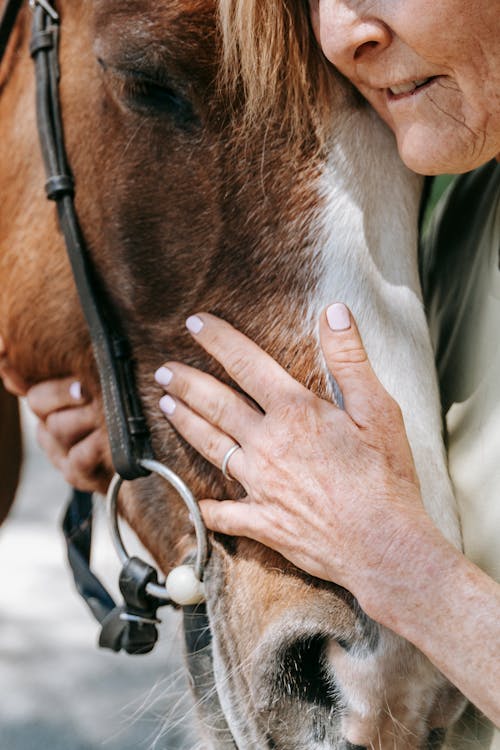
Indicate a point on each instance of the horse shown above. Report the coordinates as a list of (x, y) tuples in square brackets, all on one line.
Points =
[(221, 164)]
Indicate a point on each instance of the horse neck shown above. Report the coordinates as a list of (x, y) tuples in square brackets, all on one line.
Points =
[(367, 252)]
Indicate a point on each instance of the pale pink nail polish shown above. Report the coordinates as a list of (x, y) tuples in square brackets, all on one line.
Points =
[(194, 324), (163, 376), (338, 317), (75, 390), (167, 405)]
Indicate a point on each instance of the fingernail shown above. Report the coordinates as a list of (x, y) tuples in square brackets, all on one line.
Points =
[(194, 324), (75, 390), (163, 376), (167, 405), (338, 317)]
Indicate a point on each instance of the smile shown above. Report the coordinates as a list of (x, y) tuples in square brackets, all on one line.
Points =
[(411, 87)]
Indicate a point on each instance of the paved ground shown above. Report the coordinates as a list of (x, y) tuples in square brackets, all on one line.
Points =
[(57, 690)]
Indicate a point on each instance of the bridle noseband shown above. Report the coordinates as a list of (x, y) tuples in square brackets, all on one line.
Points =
[(131, 626)]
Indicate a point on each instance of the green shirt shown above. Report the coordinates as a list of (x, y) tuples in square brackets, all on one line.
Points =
[(461, 279)]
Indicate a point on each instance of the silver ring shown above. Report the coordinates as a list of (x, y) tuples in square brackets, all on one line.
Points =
[(225, 461)]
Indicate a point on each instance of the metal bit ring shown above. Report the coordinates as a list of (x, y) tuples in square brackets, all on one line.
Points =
[(177, 483)]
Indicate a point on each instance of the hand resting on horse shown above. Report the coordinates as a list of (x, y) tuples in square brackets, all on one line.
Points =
[(336, 492), (333, 491), (68, 429), (69, 435), (311, 471)]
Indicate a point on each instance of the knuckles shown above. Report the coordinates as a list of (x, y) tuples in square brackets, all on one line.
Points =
[(182, 381), (296, 415), (394, 413), (82, 465), (217, 409), (239, 365), (56, 425), (34, 402), (284, 429), (349, 355)]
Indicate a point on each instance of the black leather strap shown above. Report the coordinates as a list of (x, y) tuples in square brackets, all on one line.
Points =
[(77, 529), (128, 432), (129, 627)]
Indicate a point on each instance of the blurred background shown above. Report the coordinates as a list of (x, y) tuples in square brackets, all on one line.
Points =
[(58, 691)]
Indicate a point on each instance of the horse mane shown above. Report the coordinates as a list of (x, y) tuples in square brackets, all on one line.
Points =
[(271, 58)]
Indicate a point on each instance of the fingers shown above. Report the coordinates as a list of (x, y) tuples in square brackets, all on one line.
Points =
[(207, 439), (234, 518), (208, 397), (83, 465), (255, 371), (51, 447), (365, 399), (70, 434), (53, 395), (69, 426)]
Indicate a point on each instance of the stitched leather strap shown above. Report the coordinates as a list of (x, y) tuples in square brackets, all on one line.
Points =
[(128, 432)]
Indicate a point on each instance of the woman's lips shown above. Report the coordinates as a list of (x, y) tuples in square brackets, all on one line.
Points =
[(403, 90)]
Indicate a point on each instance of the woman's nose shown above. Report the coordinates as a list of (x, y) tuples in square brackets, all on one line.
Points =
[(347, 35)]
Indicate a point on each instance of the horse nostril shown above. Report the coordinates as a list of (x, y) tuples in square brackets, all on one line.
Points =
[(301, 671), (435, 739), (350, 746)]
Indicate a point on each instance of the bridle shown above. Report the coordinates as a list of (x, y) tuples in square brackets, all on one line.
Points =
[(132, 625)]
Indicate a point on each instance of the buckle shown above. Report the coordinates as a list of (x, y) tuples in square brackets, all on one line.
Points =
[(50, 11)]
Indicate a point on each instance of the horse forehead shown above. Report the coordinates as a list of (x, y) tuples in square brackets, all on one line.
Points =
[(178, 33), (175, 19)]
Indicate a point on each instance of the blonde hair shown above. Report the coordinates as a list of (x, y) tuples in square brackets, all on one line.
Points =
[(271, 58)]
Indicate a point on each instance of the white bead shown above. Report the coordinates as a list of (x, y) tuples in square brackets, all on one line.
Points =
[(183, 587)]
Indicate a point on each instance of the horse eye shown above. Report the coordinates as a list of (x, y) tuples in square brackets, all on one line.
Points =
[(146, 94), (150, 96), (155, 98)]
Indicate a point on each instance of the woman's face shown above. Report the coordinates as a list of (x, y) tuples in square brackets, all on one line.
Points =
[(431, 69)]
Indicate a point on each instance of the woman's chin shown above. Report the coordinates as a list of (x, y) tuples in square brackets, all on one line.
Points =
[(429, 154)]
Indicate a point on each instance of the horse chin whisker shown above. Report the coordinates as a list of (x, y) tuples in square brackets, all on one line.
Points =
[(170, 722)]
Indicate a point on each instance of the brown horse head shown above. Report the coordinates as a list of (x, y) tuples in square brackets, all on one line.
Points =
[(190, 201)]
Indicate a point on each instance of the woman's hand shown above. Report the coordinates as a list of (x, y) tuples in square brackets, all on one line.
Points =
[(333, 491), (69, 429), (70, 433)]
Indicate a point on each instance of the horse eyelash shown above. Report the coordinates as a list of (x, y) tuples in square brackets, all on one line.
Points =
[(156, 98)]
